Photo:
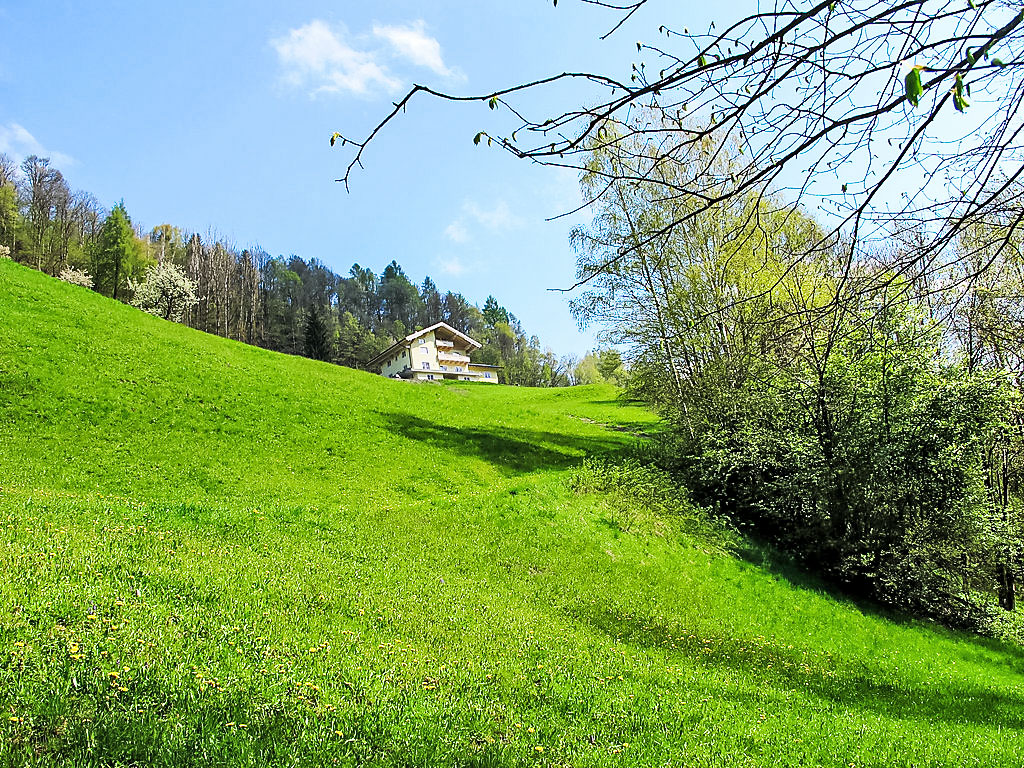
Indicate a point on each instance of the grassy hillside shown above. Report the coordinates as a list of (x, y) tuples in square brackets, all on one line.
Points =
[(213, 555)]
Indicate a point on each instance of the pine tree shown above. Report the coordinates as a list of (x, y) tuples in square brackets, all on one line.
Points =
[(317, 337)]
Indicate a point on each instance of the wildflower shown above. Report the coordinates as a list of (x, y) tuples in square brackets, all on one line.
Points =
[(538, 749)]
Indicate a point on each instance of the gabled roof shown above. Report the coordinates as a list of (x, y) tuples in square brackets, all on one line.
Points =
[(459, 334), (448, 330)]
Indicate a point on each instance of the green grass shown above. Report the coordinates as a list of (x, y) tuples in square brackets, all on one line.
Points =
[(217, 555)]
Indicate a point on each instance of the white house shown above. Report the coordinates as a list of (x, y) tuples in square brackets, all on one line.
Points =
[(435, 353)]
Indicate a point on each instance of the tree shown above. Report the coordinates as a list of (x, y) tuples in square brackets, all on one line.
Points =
[(494, 313), (317, 337), (9, 218), (400, 301), (862, 109), (168, 244), (118, 255), (166, 292), (430, 300)]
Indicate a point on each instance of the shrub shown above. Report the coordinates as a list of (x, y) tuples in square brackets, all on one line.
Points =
[(76, 277), (644, 498)]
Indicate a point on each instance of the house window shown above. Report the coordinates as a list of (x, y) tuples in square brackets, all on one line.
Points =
[(422, 342), (487, 374), (444, 367), (465, 378), (458, 369), (426, 365), (430, 377)]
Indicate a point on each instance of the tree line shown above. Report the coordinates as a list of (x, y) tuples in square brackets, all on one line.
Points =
[(288, 304)]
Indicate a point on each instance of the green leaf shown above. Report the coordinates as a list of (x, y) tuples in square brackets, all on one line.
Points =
[(912, 86), (959, 101), (476, 139), (493, 103), (998, 62), (703, 62), (335, 136)]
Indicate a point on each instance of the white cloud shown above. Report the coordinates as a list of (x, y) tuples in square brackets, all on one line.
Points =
[(451, 265), (315, 56), (497, 217), (457, 232), (327, 59), (412, 43), (17, 143)]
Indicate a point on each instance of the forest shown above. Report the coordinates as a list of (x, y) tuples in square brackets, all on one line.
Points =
[(288, 304)]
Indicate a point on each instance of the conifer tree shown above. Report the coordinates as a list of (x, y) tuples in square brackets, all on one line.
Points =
[(317, 337)]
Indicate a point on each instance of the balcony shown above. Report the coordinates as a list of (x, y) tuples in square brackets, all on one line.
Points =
[(445, 356)]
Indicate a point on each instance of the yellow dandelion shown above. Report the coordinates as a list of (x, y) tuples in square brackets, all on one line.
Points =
[(538, 749)]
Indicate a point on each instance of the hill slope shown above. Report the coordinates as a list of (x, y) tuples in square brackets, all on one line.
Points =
[(219, 555)]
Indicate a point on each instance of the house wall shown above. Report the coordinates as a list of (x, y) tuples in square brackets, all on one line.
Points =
[(424, 350), (487, 375), (396, 363)]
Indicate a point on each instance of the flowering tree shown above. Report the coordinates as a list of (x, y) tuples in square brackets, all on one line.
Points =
[(166, 292), (75, 276)]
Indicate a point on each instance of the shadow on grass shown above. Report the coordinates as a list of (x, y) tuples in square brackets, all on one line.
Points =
[(513, 450), (780, 565), (820, 675)]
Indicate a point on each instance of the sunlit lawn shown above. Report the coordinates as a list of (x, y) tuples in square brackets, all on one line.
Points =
[(217, 555)]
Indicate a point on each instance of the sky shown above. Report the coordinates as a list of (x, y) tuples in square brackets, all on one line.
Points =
[(217, 117)]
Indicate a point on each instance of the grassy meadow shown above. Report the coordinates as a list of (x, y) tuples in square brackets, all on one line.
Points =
[(216, 555)]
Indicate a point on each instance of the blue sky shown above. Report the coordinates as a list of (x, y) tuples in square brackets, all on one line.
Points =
[(217, 116)]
